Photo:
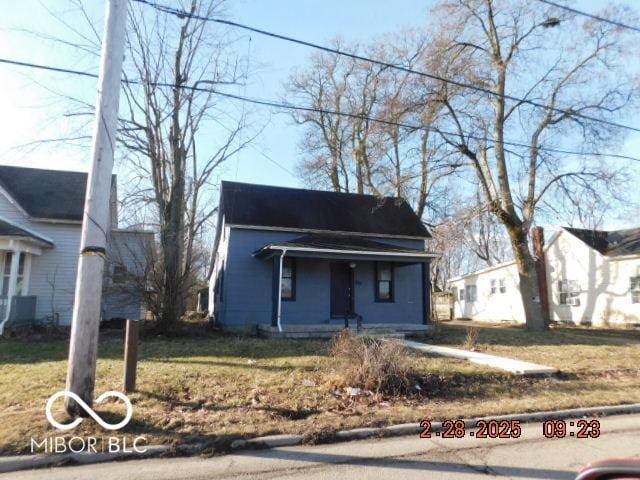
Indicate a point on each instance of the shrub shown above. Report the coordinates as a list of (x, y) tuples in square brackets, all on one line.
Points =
[(471, 341), (371, 364)]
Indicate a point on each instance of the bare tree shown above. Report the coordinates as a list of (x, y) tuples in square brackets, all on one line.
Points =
[(178, 62), (574, 73)]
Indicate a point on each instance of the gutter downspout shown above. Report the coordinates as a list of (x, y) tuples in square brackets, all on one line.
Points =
[(284, 251)]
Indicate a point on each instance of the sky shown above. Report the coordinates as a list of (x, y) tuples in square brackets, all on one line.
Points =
[(32, 113)]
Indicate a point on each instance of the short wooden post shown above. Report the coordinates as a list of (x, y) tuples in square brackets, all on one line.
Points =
[(130, 356)]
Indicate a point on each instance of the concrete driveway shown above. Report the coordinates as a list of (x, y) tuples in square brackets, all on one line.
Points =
[(532, 456)]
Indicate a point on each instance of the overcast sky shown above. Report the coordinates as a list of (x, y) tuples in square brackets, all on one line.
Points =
[(30, 112)]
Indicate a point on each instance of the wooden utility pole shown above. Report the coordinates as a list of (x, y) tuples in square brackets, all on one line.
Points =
[(131, 356), (83, 347)]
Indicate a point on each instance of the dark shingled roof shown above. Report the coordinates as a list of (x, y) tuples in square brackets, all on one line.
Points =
[(345, 242), (53, 194), (613, 243), (298, 209), (10, 230)]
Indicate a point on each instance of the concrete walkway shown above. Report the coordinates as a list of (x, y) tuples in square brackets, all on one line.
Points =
[(516, 367)]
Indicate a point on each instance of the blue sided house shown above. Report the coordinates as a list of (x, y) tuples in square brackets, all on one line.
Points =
[(307, 262)]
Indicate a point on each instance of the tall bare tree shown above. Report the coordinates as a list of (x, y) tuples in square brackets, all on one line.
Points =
[(176, 63), (574, 70)]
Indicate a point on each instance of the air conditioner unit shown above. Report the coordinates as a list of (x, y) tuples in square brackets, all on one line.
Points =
[(574, 301)]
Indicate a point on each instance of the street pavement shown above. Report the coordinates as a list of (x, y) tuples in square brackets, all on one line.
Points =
[(532, 456)]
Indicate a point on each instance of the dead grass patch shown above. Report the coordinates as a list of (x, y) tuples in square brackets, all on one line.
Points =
[(217, 388)]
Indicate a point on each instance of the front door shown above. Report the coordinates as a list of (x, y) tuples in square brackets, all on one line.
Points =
[(341, 290)]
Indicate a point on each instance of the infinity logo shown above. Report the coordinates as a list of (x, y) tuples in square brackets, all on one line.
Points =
[(89, 410)]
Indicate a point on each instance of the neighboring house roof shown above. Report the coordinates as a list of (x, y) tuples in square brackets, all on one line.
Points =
[(611, 243), (51, 194), (297, 209), (10, 230)]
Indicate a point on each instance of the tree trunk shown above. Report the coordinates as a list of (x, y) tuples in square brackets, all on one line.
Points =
[(529, 287)]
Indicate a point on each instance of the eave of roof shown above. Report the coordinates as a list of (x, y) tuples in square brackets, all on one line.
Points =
[(8, 229), (311, 245)]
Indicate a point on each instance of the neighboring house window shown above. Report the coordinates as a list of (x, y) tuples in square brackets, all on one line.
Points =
[(569, 292), (6, 274), (461, 297), (635, 289), (288, 291), (384, 282), (472, 294), (119, 274), (498, 285)]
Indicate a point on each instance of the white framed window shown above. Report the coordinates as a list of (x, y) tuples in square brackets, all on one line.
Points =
[(472, 294), (569, 291), (634, 287), (498, 286), (461, 294)]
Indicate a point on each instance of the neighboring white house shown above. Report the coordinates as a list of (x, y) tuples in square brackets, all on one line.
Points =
[(40, 225), (593, 277)]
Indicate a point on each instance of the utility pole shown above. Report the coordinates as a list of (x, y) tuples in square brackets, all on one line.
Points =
[(83, 348)]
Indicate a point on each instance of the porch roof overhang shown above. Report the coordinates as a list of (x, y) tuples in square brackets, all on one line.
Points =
[(12, 236), (342, 247)]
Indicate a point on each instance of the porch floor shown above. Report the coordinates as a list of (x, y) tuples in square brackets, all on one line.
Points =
[(328, 331)]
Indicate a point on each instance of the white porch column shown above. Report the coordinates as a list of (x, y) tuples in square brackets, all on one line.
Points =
[(13, 278)]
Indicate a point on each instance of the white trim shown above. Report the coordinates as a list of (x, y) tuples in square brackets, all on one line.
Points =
[(349, 252), (284, 251), (336, 232), (621, 258), (56, 220), (26, 244)]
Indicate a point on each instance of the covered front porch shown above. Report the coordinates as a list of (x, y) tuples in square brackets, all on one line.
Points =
[(17, 249), (323, 283)]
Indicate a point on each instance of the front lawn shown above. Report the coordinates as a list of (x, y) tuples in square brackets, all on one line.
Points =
[(216, 388)]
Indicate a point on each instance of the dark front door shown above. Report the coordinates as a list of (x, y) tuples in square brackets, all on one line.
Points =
[(341, 290)]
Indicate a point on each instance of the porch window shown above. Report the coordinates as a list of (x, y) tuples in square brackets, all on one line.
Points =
[(384, 282), (635, 289), (6, 274), (288, 292), (569, 291)]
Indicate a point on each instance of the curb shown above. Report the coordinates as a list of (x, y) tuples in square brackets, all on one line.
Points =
[(27, 462)]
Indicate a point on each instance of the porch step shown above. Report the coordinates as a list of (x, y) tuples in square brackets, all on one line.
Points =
[(388, 330)]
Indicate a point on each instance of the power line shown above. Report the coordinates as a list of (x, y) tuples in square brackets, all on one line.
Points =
[(184, 14), (591, 15), (289, 106)]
